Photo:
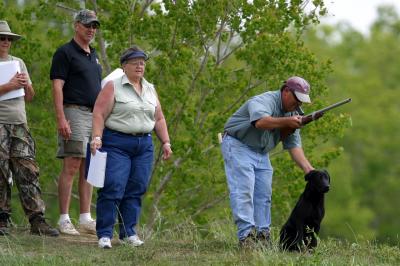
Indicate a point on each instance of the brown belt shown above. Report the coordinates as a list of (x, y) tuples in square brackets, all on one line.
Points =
[(80, 107)]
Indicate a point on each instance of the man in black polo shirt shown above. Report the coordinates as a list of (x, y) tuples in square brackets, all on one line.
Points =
[(76, 79)]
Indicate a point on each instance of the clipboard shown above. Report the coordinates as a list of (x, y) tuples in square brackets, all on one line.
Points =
[(8, 70)]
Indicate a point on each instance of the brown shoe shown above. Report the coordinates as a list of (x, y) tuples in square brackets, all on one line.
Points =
[(41, 228), (4, 219), (249, 242), (264, 238)]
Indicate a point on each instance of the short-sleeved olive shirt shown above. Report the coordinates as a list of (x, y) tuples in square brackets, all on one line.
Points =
[(241, 124), (132, 113)]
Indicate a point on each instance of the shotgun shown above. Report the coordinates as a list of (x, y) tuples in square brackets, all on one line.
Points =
[(317, 114)]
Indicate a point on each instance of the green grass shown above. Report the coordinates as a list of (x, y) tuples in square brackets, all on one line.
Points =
[(186, 245)]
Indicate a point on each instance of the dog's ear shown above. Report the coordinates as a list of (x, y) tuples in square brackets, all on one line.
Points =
[(308, 175), (327, 174)]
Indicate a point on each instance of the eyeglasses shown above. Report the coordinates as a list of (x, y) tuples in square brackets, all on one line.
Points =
[(137, 63), (91, 25), (5, 38), (297, 99)]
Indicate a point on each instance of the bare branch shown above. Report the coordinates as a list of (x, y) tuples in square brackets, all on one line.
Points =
[(103, 53), (250, 87), (131, 37), (102, 44), (203, 208), (219, 36), (221, 60), (173, 40), (190, 90), (66, 8), (199, 106), (304, 4), (212, 146), (231, 37), (145, 6), (158, 193), (209, 205)]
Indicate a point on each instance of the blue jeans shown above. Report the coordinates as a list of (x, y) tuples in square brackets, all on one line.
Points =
[(249, 176), (128, 170)]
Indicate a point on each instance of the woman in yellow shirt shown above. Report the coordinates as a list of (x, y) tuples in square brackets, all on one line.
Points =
[(126, 111)]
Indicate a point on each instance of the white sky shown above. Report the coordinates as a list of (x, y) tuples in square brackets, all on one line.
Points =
[(359, 13)]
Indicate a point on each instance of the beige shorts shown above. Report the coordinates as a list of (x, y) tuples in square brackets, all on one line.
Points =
[(80, 122)]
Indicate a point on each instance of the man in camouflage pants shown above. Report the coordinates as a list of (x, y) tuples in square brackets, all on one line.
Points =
[(17, 148)]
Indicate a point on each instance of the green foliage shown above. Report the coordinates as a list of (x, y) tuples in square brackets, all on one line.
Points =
[(366, 177), (207, 58)]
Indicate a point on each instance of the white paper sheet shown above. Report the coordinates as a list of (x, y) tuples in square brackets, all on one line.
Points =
[(118, 72), (97, 169), (8, 70)]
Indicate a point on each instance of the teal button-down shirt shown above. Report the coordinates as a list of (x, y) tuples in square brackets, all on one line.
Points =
[(240, 124)]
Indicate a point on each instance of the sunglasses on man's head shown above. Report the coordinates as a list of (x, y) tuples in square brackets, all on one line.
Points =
[(91, 25), (5, 38)]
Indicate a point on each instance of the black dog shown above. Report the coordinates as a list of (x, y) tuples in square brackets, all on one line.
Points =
[(300, 230)]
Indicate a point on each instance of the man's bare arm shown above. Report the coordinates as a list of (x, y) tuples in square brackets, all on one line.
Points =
[(62, 124)]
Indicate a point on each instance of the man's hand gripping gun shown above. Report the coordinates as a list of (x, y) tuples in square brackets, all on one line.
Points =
[(305, 119)]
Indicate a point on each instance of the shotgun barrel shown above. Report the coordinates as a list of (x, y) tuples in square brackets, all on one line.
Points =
[(334, 105), (317, 114)]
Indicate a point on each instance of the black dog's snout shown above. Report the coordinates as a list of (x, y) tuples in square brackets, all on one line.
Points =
[(325, 189)]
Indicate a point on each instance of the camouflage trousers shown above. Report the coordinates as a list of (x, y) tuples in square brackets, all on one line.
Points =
[(17, 161)]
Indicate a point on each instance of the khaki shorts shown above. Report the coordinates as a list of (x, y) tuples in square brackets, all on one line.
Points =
[(80, 122)]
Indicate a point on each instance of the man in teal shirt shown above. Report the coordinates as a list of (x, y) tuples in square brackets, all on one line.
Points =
[(250, 134)]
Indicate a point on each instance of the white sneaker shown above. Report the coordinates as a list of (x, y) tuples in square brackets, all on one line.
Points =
[(133, 241), (88, 227), (104, 242), (66, 227)]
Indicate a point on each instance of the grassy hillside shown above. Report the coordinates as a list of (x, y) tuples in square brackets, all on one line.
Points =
[(183, 246)]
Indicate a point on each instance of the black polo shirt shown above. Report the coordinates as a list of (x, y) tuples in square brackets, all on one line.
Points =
[(81, 72)]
